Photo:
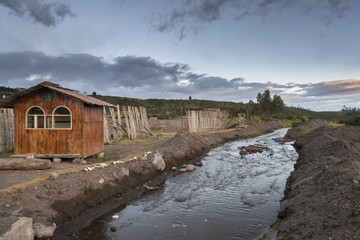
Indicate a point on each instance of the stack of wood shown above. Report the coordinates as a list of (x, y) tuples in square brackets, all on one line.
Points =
[(207, 120), (6, 129), (133, 122)]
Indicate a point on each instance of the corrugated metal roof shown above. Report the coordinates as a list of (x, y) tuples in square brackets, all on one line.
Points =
[(56, 87)]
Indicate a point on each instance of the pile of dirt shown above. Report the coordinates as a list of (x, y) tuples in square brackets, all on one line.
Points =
[(304, 128), (322, 194), (78, 191)]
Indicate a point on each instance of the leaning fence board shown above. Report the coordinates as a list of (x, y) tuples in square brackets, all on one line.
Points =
[(136, 123), (6, 129)]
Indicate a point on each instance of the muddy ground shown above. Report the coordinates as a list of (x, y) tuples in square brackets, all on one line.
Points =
[(322, 196), (76, 192)]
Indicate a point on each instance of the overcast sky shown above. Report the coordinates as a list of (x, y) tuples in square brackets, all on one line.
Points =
[(306, 51)]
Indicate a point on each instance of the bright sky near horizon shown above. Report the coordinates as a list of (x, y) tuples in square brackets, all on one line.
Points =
[(306, 51)]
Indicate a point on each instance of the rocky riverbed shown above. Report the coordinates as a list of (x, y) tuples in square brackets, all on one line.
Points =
[(51, 201)]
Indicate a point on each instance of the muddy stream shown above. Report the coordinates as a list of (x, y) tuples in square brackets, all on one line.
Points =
[(229, 197)]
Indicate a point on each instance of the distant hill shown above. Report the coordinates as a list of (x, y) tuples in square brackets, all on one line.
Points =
[(8, 91), (166, 109)]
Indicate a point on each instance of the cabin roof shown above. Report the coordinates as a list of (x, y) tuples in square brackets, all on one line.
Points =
[(55, 87)]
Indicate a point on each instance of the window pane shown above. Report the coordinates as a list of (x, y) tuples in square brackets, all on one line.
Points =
[(40, 121), (62, 121), (48, 122), (30, 122), (62, 111), (36, 110)]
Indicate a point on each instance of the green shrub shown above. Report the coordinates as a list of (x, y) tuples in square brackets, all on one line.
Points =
[(355, 121)]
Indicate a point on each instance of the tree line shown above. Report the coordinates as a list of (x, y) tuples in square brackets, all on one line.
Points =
[(266, 105)]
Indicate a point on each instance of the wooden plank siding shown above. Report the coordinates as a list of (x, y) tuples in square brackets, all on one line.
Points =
[(93, 130), (48, 141)]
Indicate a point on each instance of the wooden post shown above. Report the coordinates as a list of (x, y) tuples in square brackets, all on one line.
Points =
[(106, 127), (118, 114)]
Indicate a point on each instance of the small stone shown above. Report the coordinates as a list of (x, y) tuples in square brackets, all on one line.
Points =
[(54, 175), (43, 231), (30, 156), (113, 229), (174, 168), (199, 163), (78, 161), (355, 181), (56, 160), (115, 216), (182, 169), (190, 167), (123, 172), (101, 181), (115, 176), (101, 155)]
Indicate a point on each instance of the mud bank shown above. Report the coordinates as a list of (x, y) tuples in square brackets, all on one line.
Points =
[(56, 201), (322, 193)]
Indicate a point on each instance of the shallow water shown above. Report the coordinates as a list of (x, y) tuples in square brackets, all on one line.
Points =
[(227, 198)]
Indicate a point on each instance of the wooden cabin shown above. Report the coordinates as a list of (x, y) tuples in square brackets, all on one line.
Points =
[(51, 121)]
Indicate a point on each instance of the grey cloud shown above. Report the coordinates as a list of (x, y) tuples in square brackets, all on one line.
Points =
[(192, 15), (334, 88), (47, 14), (144, 77)]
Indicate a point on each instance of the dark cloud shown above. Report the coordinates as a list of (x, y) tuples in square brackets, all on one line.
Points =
[(144, 77), (192, 15), (47, 14)]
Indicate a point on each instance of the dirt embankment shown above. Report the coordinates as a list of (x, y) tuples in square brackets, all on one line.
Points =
[(76, 191), (322, 194)]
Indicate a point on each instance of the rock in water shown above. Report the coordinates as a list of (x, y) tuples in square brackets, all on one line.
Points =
[(199, 163), (190, 167), (158, 161)]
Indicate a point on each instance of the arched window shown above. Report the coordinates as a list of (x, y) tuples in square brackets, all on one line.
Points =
[(35, 118), (61, 117)]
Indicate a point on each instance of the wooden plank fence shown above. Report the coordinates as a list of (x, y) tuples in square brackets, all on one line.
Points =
[(207, 120), (133, 122), (6, 129)]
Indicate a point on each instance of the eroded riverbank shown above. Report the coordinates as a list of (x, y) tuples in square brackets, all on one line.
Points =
[(59, 200), (323, 192)]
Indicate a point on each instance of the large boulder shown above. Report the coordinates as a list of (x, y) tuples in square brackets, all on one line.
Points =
[(158, 161), (21, 229), (24, 164)]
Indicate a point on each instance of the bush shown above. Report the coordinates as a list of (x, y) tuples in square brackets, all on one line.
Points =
[(355, 121)]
